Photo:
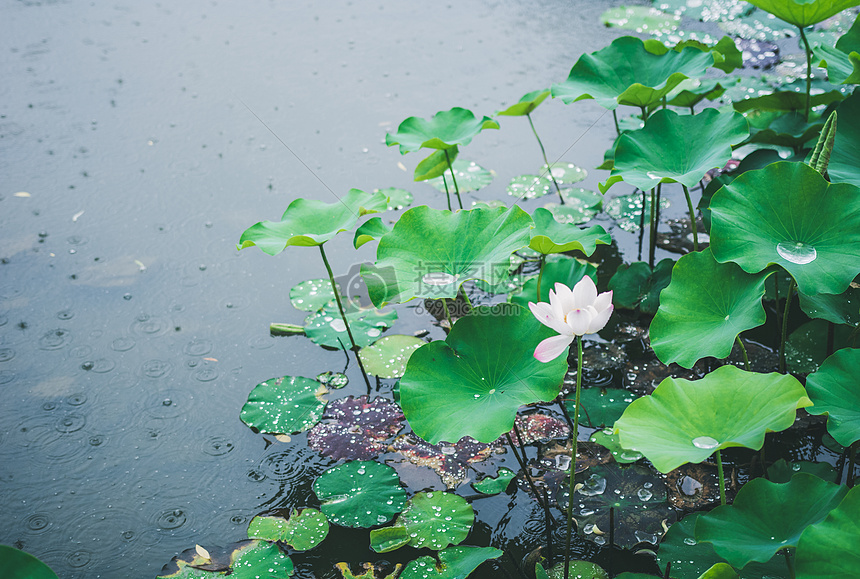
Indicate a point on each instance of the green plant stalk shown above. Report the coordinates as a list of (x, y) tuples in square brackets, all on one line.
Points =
[(652, 234), (744, 352), (644, 113), (447, 314), (808, 73), (543, 152), (572, 484), (824, 147), (851, 465), (789, 563), (615, 118), (540, 275), (523, 466), (343, 315), (466, 298), (447, 193), (692, 218), (453, 178), (722, 478), (791, 287)]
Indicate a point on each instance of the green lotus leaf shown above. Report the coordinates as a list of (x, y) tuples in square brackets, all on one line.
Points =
[(828, 550), (636, 285), (529, 102), (327, 329), (627, 210), (304, 530), (472, 383), (577, 570), (433, 520), (704, 308), (247, 560), (843, 60), (781, 471), (550, 236), (311, 295), (626, 73), (540, 572), (841, 308), (17, 564), (787, 100), (804, 13), (360, 493), (557, 269), (844, 164), (608, 439), (834, 391), (693, 91), (784, 129), (564, 173), (806, 347), (310, 223), (285, 405), (373, 228), (493, 485), (387, 357), (684, 421), (444, 130), (727, 57), (782, 214), (397, 198), (580, 205), (528, 187), (601, 407), (435, 164), (430, 253), (675, 148), (767, 517), (470, 177), (720, 571), (370, 571), (454, 563), (641, 19)]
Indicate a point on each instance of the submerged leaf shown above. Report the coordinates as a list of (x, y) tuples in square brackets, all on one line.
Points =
[(356, 428), (450, 461)]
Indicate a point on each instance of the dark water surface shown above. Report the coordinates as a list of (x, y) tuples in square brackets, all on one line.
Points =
[(131, 330)]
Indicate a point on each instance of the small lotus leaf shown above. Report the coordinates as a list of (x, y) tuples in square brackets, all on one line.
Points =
[(356, 428), (580, 205), (435, 164), (285, 405), (564, 173), (804, 13), (626, 73), (601, 407), (704, 308), (841, 308), (17, 564), (693, 91), (577, 570), (684, 421), (645, 19), (333, 380), (370, 571), (627, 210), (304, 530), (387, 357), (397, 198), (450, 461), (844, 164), (470, 177), (247, 560), (528, 103), (528, 187), (430, 253), (766, 517), (608, 439), (828, 550), (782, 214), (433, 520), (637, 286), (311, 223), (360, 494), (327, 329), (454, 563), (373, 228), (550, 236), (493, 485), (835, 392), (473, 383), (311, 295), (444, 130)]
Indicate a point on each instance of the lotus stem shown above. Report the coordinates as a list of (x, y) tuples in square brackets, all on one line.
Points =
[(668, 568), (540, 276), (791, 287), (523, 465), (808, 74), (744, 352), (575, 436), (343, 315), (851, 465), (453, 178), (652, 234), (543, 152), (547, 523), (721, 477), (615, 118), (447, 314), (642, 224), (692, 110), (277, 329), (466, 298), (789, 563), (644, 118), (692, 218), (447, 193)]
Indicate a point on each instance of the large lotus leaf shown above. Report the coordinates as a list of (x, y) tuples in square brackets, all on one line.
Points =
[(20, 565), (684, 421), (493, 485), (470, 177), (844, 164), (601, 407), (308, 222), (675, 148), (557, 269), (450, 461), (454, 563), (550, 236), (285, 405), (828, 550), (766, 517), (444, 130), (704, 308), (841, 308), (727, 56), (804, 13), (636, 285), (305, 529), (473, 383), (311, 295), (430, 253), (787, 214), (327, 329), (245, 560), (356, 428), (360, 494), (529, 102), (435, 164), (835, 391), (387, 356), (433, 520), (626, 73)]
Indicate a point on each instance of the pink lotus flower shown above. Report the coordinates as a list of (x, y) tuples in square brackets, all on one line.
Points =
[(571, 313)]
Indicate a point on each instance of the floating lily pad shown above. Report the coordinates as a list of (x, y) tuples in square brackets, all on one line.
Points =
[(327, 329), (601, 407), (637, 286), (308, 222), (20, 565), (360, 494), (397, 198), (435, 164), (387, 356), (642, 19), (450, 461), (470, 177), (311, 295), (627, 210), (245, 560), (356, 428), (333, 380), (550, 236), (577, 570), (828, 550), (454, 563), (755, 25), (580, 205), (470, 385), (444, 130), (803, 13), (493, 485), (844, 164), (557, 269), (433, 520), (304, 530), (626, 73), (704, 308), (834, 391), (370, 571), (564, 173), (766, 517), (528, 187), (608, 439), (806, 347), (684, 421), (372, 229), (528, 103), (430, 253), (285, 405)]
